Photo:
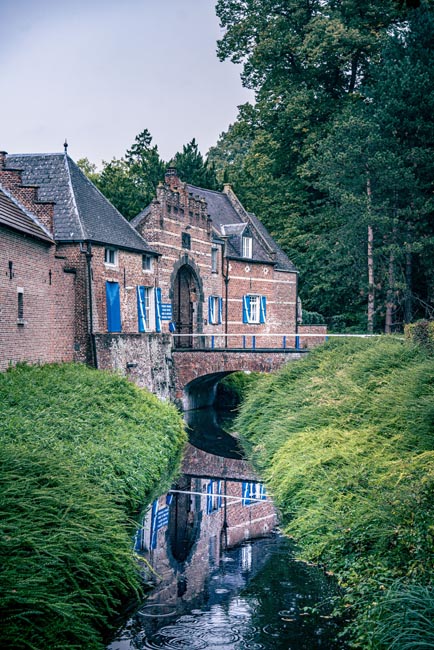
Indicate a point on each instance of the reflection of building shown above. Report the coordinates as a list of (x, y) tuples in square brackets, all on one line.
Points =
[(185, 532), (81, 283)]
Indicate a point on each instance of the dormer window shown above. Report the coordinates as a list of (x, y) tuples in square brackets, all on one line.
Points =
[(110, 256), (247, 247)]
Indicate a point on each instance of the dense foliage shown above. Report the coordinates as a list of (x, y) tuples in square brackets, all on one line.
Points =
[(82, 453), (345, 442), (335, 156), (130, 182)]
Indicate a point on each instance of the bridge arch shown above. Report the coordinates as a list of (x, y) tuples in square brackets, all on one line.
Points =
[(197, 372), (201, 391)]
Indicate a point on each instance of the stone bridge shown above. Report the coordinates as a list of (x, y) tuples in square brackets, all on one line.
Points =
[(197, 372)]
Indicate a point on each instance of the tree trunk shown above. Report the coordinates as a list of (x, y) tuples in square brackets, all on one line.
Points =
[(371, 295), (390, 303), (408, 306)]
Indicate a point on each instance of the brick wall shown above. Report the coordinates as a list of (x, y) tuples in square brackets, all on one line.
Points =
[(46, 332), (176, 212)]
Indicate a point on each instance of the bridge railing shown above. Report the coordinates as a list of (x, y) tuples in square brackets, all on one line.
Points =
[(249, 341)]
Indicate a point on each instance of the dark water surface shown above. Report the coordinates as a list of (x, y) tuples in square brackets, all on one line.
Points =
[(255, 599), (254, 596)]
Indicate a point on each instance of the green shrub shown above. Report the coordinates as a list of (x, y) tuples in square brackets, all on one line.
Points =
[(422, 333), (232, 389), (82, 453), (345, 441), (312, 318)]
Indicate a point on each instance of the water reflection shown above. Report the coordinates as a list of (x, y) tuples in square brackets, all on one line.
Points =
[(223, 578)]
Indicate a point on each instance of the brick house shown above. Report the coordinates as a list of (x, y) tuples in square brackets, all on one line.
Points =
[(192, 270), (220, 272), (79, 265)]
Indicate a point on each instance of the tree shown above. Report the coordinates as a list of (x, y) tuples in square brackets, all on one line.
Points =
[(313, 66), (192, 168), (130, 182)]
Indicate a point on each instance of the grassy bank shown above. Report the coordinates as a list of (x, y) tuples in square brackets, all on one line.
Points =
[(345, 441), (82, 452)]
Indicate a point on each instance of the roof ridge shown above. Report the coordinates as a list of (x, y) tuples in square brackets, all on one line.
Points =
[(27, 212)]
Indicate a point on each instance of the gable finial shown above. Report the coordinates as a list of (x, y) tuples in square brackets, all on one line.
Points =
[(65, 146)]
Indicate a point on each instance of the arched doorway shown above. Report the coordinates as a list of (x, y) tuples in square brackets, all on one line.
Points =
[(185, 306)]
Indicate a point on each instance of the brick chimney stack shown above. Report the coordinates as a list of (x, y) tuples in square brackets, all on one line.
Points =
[(3, 155)]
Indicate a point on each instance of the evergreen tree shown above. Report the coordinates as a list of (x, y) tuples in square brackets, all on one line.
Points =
[(192, 168)]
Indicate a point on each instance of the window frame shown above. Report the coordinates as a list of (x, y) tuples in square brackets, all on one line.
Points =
[(247, 247), (147, 263), (214, 260), (215, 309), (20, 306), (107, 251), (149, 324), (260, 309)]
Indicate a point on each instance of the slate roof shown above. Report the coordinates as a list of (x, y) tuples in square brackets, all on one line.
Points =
[(16, 216), (227, 221), (81, 212)]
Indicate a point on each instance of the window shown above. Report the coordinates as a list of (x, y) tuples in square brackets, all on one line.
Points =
[(215, 304), (147, 262), (253, 493), (20, 306), (254, 309), (144, 303), (213, 496), (186, 240), (111, 256), (113, 307), (214, 260), (247, 247)]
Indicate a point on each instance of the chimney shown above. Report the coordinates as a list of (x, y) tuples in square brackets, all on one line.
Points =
[(3, 155)]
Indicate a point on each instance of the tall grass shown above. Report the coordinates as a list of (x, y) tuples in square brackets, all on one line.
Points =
[(82, 453), (345, 440)]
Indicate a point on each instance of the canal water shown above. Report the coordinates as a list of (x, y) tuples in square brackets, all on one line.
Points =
[(224, 577)]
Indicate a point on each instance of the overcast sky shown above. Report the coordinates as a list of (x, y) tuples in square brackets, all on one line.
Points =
[(100, 71)]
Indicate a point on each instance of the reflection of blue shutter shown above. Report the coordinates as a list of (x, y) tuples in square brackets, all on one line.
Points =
[(209, 498), (246, 309), (210, 310), (263, 492), (157, 294), (219, 492), (141, 308), (263, 309), (113, 307), (154, 530), (246, 493), (220, 311)]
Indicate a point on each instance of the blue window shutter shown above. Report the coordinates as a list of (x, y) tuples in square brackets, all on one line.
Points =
[(246, 309), (157, 309), (263, 310), (219, 492), (246, 493), (154, 529), (113, 307), (141, 308), (210, 312), (220, 311), (209, 498)]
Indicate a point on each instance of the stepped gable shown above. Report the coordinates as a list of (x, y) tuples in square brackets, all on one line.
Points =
[(81, 211), (232, 222), (15, 216)]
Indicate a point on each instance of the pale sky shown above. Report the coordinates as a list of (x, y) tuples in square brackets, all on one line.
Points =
[(98, 72)]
